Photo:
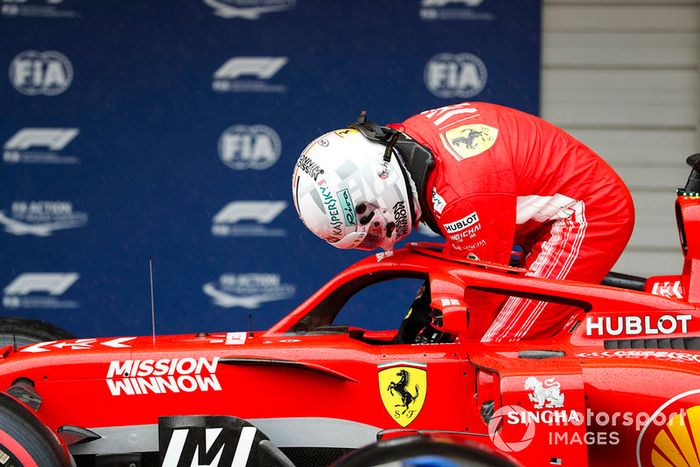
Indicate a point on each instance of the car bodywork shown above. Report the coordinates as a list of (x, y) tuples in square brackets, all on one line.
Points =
[(618, 385), (310, 383)]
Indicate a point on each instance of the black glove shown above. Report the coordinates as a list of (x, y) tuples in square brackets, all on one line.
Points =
[(416, 326)]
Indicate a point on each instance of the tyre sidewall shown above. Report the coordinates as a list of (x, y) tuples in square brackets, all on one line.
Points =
[(25, 438)]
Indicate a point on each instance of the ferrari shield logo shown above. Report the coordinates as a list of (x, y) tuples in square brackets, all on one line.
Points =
[(403, 386), (469, 140)]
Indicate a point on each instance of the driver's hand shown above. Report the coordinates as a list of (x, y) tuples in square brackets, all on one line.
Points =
[(416, 326), (429, 335)]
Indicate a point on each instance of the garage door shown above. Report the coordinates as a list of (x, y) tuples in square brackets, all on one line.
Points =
[(622, 76)]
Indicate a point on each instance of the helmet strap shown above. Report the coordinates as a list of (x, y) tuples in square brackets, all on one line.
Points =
[(384, 172), (388, 137)]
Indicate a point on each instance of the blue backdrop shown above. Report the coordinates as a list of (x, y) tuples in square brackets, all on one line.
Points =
[(171, 128)]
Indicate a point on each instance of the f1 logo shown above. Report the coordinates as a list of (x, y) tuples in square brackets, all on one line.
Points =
[(211, 441), (51, 283), (53, 138), (262, 212), (260, 67)]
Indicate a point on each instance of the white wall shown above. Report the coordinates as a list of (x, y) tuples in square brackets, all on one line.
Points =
[(623, 77)]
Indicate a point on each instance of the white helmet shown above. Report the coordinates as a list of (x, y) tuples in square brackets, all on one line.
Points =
[(349, 191)]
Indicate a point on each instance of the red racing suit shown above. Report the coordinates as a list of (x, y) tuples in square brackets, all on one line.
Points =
[(504, 178)]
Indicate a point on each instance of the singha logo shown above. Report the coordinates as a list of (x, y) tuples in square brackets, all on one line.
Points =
[(545, 395), (468, 140)]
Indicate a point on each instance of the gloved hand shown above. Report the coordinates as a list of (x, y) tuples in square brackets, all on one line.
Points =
[(416, 327)]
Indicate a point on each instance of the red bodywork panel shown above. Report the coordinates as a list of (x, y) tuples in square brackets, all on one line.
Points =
[(619, 385), (305, 374)]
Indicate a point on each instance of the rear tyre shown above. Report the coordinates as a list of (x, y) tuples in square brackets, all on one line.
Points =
[(24, 440), (19, 332)]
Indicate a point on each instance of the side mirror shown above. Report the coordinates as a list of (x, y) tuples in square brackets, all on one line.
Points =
[(450, 315)]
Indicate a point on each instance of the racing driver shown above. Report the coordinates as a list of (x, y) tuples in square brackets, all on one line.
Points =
[(486, 177)]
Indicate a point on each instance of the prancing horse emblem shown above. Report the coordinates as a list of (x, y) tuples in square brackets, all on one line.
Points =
[(400, 387), (403, 387), (468, 140)]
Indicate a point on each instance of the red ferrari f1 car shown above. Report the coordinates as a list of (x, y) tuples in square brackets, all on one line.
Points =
[(618, 385)]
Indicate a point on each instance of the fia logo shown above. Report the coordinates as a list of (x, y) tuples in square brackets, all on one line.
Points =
[(455, 75), (35, 73), (244, 147)]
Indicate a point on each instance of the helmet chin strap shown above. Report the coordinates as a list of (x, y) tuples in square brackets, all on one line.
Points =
[(389, 137), (412, 191), (384, 172)]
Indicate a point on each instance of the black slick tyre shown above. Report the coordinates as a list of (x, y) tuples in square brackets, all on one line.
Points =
[(19, 332), (24, 440)]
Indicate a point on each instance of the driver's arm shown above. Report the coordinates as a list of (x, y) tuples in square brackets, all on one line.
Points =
[(480, 226)]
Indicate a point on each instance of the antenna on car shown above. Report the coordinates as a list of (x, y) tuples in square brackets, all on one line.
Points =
[(153, 305)]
